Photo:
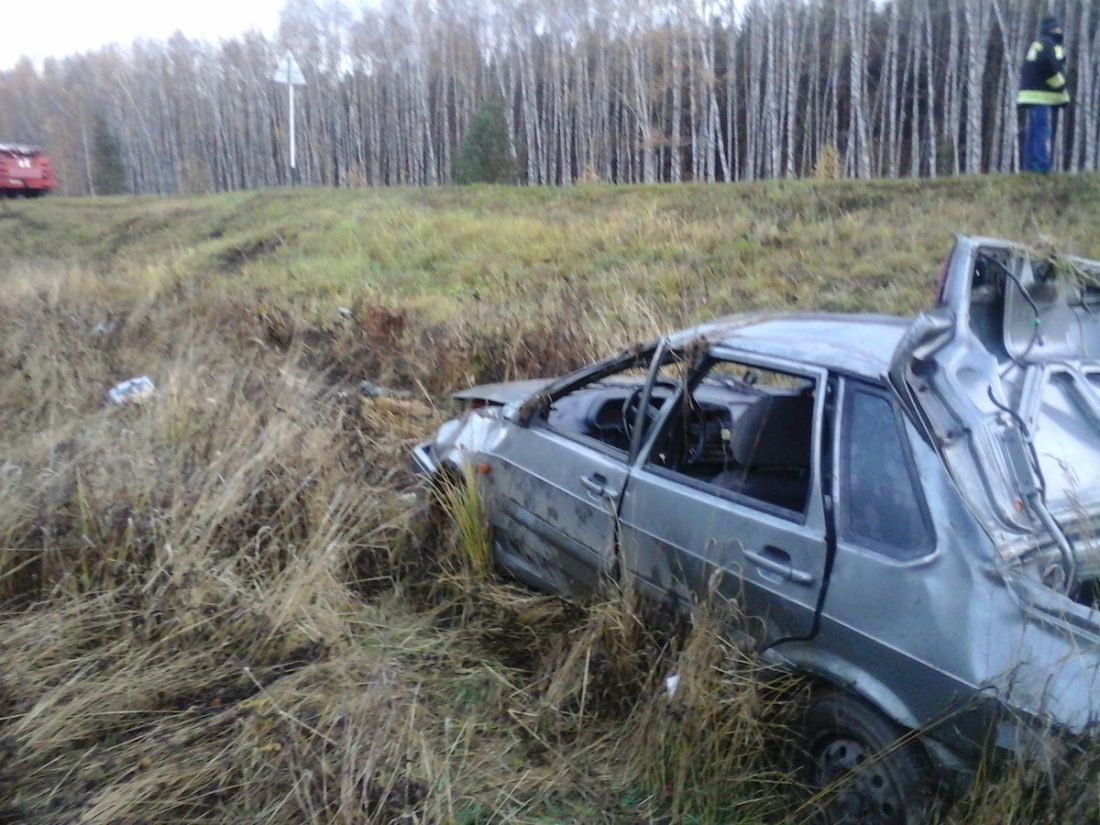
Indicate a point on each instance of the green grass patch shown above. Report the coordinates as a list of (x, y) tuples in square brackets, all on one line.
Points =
[(230, 605)]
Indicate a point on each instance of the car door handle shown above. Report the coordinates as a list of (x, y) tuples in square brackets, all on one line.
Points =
[(778, 561), (596, 484)]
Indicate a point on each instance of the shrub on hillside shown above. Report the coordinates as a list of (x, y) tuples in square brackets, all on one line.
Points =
[(485, 155)]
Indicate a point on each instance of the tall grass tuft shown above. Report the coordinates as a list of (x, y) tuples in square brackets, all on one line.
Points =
[(223, 605), (461, 501), (714, 738)]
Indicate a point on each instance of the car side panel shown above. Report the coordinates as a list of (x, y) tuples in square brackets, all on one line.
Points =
[(555, 528), (679, 539), (926, 629)]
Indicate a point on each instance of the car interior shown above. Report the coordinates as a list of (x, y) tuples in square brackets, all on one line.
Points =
[(605, 410), (749, 435), (751, 438), (1031, 301)]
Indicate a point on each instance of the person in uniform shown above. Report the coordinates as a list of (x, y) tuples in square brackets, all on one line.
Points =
[(1042, 90)]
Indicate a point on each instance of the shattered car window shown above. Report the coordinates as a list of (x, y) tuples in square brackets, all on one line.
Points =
[(606, 409), (744, 432), (742, 377)]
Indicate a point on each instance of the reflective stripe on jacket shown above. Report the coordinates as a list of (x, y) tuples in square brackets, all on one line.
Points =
[(1043, 77)]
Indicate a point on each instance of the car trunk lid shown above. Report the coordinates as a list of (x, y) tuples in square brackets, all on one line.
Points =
[(1004, 373)]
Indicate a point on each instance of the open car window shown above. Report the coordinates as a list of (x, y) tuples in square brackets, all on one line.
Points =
[(605, 410), (745, 433)]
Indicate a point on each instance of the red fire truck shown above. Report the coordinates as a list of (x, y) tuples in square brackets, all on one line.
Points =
[(24, 171)]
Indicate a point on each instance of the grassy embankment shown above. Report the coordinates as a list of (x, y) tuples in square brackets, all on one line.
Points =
[(225, 606)]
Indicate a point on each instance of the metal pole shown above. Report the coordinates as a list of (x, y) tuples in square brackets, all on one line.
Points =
[(293, 158), (289, 73)]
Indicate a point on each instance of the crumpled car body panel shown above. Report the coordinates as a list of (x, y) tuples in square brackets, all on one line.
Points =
[(986, 618)]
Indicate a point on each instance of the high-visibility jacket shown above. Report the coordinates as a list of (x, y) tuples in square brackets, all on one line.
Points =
[(1043, 78)]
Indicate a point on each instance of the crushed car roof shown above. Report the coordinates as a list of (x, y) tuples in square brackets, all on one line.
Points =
[(858, 344)]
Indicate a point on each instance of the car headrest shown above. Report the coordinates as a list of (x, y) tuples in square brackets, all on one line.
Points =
[(775, 431)]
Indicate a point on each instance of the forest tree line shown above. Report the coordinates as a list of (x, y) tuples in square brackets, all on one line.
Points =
[(614, 90)]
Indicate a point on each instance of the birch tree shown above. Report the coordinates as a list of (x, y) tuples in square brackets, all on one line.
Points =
[(658, 90)]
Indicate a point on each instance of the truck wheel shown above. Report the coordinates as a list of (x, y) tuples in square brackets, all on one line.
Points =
[(861, 772)]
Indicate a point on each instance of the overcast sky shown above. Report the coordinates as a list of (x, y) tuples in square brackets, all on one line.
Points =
[(55, 28)]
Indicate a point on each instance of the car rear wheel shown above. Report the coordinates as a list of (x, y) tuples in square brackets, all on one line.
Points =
[(862, 770)]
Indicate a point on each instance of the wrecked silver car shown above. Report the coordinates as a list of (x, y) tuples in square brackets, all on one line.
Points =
[(907, 510)]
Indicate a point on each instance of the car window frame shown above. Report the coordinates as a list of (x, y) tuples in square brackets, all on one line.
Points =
[(813, 510), (849, 387), (652, 356)]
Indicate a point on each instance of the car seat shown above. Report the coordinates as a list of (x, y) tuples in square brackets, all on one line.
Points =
[(770, 450)]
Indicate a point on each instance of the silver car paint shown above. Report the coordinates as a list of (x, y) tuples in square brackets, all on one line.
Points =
[(975, 630)]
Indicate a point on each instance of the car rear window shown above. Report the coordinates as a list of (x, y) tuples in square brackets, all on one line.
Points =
[(882, 507)]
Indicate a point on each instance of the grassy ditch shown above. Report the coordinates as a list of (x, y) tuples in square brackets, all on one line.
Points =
[(229, 604)]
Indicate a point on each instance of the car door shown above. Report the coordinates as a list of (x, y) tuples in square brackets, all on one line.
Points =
[(686, 533), (559, 477), (901, 608)]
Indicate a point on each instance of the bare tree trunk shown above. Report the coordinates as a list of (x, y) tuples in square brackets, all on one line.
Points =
[(953, 114), (930, 91), (832, 134), (716, 161), (771, 108), (530, 117), (791, 40), (733, 85), (694, 109), (675, 160), (859, 156), (978, 14), (890, 136), (1091, 100), (812, 127)]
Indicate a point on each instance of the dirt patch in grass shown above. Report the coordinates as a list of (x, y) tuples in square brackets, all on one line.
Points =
[(236, 256)]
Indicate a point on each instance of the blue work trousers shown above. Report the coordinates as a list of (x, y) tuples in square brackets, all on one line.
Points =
[(1037, 139)]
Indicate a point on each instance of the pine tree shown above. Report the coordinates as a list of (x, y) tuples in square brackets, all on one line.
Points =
[(109, 172), (484, 155)]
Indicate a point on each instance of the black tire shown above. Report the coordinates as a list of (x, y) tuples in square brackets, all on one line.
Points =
[(861, 770)]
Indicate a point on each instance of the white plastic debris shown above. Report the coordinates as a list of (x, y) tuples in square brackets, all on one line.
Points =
[(671, 683), (135, 391)]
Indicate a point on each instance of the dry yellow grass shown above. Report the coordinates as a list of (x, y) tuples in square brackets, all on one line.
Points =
[(222, 605), (226, 605)]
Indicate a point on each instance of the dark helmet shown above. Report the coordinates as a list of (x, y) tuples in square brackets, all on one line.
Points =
[(1050, 25)]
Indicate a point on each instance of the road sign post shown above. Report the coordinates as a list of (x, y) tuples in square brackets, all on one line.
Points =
[(289, 73)]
